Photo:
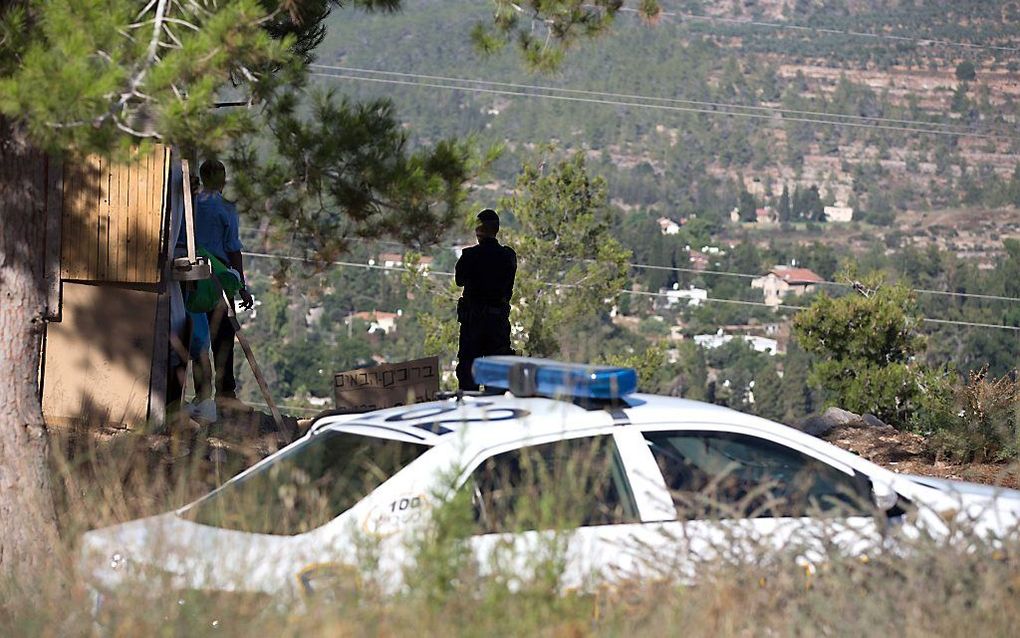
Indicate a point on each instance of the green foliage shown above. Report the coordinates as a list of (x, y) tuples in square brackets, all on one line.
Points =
[(768, 394), (544, 29), (344, 171), (94, 75), (864, 346), (649, 364), (569, 264), (965, 71), (798, 399)]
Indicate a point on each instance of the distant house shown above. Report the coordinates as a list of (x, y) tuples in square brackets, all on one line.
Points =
[(314, 315), (758, 344), (669, 297), (698, 260), (396, 260), (783, 280), (766, 215), (391, 260), (839, 213), (668, 226), (378, 321)]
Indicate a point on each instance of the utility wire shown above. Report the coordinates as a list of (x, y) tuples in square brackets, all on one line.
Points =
[(349, 264), (923, 291), (729, 273), (691, 17), (664, 107), (631, 96)]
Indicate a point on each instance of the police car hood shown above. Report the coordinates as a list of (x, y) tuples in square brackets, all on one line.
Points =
[(1007, 496)]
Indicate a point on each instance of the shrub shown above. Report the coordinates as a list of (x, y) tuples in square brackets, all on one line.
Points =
[(985, 425)]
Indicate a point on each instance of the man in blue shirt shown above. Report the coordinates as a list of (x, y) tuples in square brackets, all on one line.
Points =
[(216, 230)]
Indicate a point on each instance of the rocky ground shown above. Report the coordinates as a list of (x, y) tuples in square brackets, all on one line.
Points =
[(903, 452)]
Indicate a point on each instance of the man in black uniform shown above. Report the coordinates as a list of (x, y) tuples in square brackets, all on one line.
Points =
[(486, 272)]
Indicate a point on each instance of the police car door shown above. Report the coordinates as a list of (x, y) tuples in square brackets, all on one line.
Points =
[(567, 509), (736, 494)]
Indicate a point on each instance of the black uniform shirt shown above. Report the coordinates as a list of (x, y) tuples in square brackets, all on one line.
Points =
[(486, 272)]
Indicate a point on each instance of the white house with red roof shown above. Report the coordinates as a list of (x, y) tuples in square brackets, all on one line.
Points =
[(668, 226), (377, 320), (781, 281)]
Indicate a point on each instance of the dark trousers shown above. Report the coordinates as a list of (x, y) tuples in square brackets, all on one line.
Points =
[(222, 332), (484, 330)]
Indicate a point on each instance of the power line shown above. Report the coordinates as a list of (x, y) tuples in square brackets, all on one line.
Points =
[(924, 291), (348, 264), (664, 107), (729, 273), (691, 17), (630, 96)]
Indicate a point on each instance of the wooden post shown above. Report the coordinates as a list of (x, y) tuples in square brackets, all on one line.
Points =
[(189, 216)]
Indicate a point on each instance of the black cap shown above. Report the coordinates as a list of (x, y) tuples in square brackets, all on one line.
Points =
[(489, 216)]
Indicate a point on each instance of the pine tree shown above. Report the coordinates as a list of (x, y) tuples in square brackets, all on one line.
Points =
[(797, 397), (785, 211), (768, 394)]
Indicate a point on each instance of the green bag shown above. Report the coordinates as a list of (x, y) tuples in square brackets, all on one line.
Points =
[(205, 296)]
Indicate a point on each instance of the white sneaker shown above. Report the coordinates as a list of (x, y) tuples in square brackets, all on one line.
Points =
[(203, 411)]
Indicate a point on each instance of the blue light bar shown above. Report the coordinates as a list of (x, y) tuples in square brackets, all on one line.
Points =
[(524, 376)]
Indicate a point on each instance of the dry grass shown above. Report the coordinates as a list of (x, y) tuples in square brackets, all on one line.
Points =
[(967, 587)]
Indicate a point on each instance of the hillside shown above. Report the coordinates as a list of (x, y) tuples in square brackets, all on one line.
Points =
[(713, 110), (661, 156)]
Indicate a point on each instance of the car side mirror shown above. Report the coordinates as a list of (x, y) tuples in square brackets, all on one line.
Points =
[(884, 496)]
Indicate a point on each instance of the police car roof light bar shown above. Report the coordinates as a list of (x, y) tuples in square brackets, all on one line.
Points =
[(527, 377)]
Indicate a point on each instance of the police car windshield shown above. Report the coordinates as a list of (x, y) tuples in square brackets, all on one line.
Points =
[(307, 486)]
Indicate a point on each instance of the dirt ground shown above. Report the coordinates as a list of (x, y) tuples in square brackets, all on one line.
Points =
[(904, 452)]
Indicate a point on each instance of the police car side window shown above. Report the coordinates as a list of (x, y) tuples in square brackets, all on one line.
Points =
[(725, 475), (559, 485)]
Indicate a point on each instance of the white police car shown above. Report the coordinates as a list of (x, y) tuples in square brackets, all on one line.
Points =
[(649, 483)]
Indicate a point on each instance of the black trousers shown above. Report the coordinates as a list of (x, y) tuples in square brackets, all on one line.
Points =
[(484, 330), (222, 332)]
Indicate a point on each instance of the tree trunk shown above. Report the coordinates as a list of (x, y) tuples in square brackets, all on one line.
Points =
[(28, 526)]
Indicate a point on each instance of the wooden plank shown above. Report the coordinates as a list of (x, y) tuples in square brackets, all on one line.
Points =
[(65, 218), (127, 210), (112, 187), (158, 185), (54, 217), (70, 244), (150, 272), (96, 200), (141, 223), (135, 206), (118, 198)]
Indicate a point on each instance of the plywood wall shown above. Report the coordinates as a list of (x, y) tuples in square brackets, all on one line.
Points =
[(112, 218), (98, 359)]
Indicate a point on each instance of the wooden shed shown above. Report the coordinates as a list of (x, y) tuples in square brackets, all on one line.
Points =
[(106, 343)]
